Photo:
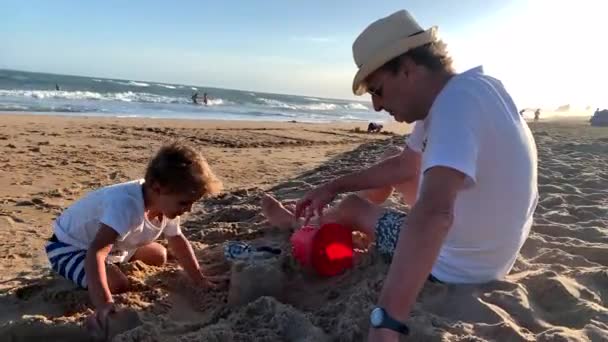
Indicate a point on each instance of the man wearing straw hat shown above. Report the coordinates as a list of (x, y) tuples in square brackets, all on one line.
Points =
[(471, 154)]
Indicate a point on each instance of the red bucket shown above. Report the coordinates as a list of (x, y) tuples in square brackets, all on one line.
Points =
[(328, 249)]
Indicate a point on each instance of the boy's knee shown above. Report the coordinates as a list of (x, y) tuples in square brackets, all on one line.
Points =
[(153, 254), (121, 285), (160, 257), (117, 281)]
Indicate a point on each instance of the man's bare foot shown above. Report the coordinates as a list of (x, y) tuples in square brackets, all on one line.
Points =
[(277, 214)]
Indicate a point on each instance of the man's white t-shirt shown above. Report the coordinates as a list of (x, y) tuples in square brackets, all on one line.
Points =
[(474, 127), (120, 207)]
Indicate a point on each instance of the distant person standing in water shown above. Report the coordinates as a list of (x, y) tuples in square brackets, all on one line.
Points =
[(537, 115), (195, 98), (57, 87), (205, 98)]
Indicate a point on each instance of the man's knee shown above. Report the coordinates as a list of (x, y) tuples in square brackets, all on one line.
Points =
[(359, 213), (353, 203), (391, 151)]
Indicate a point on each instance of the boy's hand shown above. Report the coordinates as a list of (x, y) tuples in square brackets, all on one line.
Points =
[(97, 323), (206, 283)]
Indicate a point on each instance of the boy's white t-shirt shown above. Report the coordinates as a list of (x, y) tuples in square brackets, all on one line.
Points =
[(119, 206), (474, 127)]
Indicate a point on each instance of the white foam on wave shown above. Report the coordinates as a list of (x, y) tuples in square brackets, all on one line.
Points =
[(215, 102), (138, 84), (166, 86), (57, 94), (276, 103), (356, 106), (320, 106), (127, 96)]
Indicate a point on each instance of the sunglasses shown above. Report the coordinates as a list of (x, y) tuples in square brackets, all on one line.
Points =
[(375, 91)]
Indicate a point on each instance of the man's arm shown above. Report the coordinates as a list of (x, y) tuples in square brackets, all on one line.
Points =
[(394, 170), (398, 169), (419, 243)]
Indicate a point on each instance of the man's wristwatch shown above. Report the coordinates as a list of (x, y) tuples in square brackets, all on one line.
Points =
[(379, 318)]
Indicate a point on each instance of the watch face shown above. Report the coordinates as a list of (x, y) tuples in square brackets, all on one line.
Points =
[(377, 317)]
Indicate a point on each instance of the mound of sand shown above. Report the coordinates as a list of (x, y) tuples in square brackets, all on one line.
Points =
[(558, 290)]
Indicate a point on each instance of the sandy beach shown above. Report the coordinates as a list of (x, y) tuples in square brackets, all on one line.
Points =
[(557, 291)]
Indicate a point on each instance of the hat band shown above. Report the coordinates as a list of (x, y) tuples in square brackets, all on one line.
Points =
[(414, 41)]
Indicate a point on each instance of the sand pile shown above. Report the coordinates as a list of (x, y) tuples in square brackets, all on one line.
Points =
[(558, 290)]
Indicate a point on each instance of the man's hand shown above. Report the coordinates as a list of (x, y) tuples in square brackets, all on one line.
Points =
[(382, 335), (315, 201)]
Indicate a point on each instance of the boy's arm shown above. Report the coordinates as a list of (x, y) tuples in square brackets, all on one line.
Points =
[(182, 249), (95, 266)]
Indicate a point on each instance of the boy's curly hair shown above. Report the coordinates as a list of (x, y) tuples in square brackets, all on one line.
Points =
[(179, 168)]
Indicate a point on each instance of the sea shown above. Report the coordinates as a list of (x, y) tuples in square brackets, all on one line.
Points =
[(42, 93)]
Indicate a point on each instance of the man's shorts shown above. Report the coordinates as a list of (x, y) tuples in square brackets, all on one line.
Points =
[(388, 228), (387, 231)]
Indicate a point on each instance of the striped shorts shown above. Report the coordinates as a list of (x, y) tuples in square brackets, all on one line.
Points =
[(68, 261), (388, 229)]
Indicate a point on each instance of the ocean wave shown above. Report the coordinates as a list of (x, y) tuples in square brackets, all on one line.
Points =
[(138, 84), (320, 106), (353, 118), (19, 77), (166, 86), (41, 108), (130, 83), (314, 107), (215, 102), (356, 106), (127, 96), (56, 94), (276, 103)]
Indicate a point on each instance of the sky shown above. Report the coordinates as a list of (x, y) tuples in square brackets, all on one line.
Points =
[(547, 53)]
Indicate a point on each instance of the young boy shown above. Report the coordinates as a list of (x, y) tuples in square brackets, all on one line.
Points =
[(119, 223)]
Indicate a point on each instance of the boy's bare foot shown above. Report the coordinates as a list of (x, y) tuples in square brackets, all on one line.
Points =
[(277, 214)]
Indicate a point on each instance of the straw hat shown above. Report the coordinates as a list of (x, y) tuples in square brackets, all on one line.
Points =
[(384, 40)]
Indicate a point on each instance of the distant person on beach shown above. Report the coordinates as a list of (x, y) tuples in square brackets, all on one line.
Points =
[(537, 115), (473, 164), (57, 87), (194, 98), (205, 98), (120, 223), (374, 127)]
